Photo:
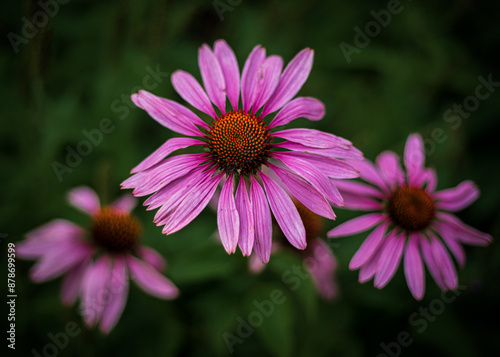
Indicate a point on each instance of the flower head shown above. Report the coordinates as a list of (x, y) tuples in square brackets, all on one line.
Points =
[(96, 262), (239, 141), (413, 220)]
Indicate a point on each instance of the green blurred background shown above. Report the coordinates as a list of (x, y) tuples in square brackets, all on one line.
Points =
[(91, 54)]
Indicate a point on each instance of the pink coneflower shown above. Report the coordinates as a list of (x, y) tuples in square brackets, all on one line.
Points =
[(318, 258), (412, 217), (237, 143), (96, 262)]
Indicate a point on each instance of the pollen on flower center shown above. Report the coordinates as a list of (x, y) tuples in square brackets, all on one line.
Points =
[(115, 230), (411, 207), (239, 142)]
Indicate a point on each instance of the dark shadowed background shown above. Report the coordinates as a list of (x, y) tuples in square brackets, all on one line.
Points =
[(384, 70)]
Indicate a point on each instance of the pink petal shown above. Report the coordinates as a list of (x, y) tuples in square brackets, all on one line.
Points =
[(85, 199), (60, 260), (312, 175), (191, 206), (304, 192), (95, 290), (414, 269), (72, 283), (370, 174), (213, 78), (247, 222), (192, 92), (368, 270), (362, 203), (170, 114), (390, 257), (292, 79), (454, 246), (414, 158), (333, 168), (228, 219), (349, 153), (357, 225), (312, 138), (285, 213), (267, 80), (368, 248), (249, 76), (302, 107), (150, 280), (462, 231), (125, 203), (431, 179), (430, 261), (390, 170), (163, 151), (229, 65), (255, 265), (118, 291), (152, 257), (444, 263), (457, 198), (263, 224), (324, 269), (48, 238), (172, 168), (358, 188)]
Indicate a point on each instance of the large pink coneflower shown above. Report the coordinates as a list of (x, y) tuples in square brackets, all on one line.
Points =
[(236, 144), (96, 262), (411, 219)]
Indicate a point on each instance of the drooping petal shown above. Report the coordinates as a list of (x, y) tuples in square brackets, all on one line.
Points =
[(444, 263), (85, 199), (267, 80), (95, 288), (390, 170), (285, 212), (414, 158), (457, 198), (125, 203), (249, 76), (192, 92), (414, 269), (59, 260), (369, 246), (152, 257), (304, 192), (368, 270), (464, 232), (313, 138), (170, 114), (292, 79), (301, 107), (118, 292), (263, 224), (228, 220), (247, 221), (390, 257), (72, 283), (324, 268), (356, 225), (455, 247), (191, 206), (229, 65), (163, 151), (430, 261), (150, 280), (213, 77)]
